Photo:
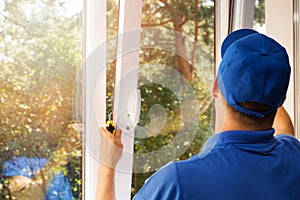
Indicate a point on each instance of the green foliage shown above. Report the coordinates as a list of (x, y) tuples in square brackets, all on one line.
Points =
[(259, 12), (39, 63)]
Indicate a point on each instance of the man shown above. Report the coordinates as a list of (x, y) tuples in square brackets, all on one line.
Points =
[(243, 160)]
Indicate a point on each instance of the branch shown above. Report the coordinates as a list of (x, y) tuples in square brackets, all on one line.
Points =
[(184, 21), (18, 24), (168, 7), (173, 15), (156, 24)]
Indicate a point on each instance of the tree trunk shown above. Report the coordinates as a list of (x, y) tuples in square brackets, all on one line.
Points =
[(185, 67), (196, 23)]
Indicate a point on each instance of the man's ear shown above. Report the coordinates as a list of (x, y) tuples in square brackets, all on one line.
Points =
[(215, 89)]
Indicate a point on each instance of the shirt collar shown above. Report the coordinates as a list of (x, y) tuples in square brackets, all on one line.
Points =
[(242, 136), (238, 136)]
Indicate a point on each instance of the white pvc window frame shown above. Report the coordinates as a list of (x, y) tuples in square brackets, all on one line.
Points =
[(126, 80), (242, 14), (94, 42), (222, 13), (95, 88)]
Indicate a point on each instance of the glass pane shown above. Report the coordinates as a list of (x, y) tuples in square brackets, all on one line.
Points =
[(112, 20), (40, 58), (176, 73)]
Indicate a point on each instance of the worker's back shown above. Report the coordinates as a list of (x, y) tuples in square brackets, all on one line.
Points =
[(233, 165)]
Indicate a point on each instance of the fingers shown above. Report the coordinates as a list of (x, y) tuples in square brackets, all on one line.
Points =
[(118, 134), (106, 133), (112, 138), (111, 147)]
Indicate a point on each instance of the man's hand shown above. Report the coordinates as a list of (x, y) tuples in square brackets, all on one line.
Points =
[(111, 147)]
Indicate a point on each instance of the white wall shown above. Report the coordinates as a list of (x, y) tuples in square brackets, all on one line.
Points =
[(279, 25)]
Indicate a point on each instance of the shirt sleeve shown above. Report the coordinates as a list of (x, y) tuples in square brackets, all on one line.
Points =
[(162, 185), (287, 137), (290, 139)]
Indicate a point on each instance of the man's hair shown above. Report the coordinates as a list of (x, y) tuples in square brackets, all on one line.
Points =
[(251, 120)]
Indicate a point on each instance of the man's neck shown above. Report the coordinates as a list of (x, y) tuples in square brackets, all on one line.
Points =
[(231, 124)]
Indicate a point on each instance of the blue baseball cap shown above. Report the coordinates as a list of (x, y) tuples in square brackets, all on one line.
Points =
[(254, 68), (234, 36)]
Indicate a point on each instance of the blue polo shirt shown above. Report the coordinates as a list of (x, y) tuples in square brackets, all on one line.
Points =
[(233, 165)]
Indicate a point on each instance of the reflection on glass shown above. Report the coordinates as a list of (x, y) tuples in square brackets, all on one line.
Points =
[(40, 150)]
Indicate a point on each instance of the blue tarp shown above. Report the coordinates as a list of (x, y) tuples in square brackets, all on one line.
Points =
[(57, 189)]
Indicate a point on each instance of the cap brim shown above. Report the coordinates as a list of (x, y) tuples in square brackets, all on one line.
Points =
[(234, 36)]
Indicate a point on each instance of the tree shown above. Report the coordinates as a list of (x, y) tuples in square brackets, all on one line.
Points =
[(179, 16)]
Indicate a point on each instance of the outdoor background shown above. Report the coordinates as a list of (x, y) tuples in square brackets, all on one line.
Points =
[(41, 54)]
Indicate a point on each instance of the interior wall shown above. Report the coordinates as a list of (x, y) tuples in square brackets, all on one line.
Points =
[(279, 25)]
